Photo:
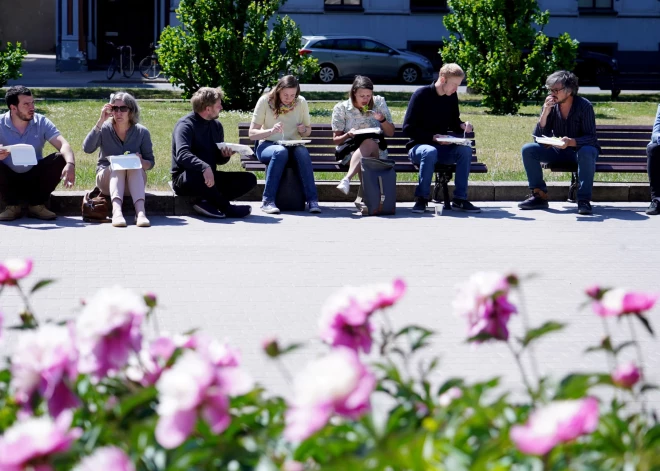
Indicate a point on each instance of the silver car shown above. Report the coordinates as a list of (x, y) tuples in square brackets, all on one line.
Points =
[(348, 56)]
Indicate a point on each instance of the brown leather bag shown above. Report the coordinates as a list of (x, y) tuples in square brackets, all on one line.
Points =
[(96, 207)]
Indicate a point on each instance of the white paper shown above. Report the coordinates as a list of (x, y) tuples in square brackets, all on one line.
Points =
[(294, 142), (368, 131), (551, 141), (125, 162), (454, 140), (240, 148), (23, 154)]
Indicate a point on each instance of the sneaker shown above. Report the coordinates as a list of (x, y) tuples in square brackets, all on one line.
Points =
[(207, 209), (537, 200), (464, 205), (269, 207), (584, 207), (40, 211), (141, 220), (314, 207), (118, 221), (238, 210), (10, 213), (344, 186), (420, 205), (652, 209)]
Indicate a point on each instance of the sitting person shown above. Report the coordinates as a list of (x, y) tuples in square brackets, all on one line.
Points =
[(570, 117), (362, 110), (31, 184), (282, 114), (432, 113), (653, 166), (195, 156), (118, 131)]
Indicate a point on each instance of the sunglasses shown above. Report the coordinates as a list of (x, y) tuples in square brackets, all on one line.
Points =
[(123, 109)]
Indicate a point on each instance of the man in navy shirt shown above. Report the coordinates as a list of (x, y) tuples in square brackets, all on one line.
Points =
[(31, 184), (432, 113), (653, 166), (570, 118)]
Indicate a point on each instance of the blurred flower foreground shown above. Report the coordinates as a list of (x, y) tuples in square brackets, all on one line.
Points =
[(107, 391)]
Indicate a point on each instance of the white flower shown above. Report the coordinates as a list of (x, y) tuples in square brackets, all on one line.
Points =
[(182, 386), (326, 379)]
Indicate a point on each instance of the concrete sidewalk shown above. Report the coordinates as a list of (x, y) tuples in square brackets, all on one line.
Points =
[(242, 280)]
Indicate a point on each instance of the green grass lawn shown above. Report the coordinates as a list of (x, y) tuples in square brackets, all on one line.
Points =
[(499, 138)]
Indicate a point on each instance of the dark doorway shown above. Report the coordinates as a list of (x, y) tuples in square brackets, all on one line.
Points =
[(125, 23)]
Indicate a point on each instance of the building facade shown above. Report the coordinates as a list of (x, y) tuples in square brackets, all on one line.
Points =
[(84, 28), (629, 30)]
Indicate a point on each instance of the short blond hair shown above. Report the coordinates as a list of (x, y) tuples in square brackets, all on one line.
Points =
[(206, 96), (451, 70)]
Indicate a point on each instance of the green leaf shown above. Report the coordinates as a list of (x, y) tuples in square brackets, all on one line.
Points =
[(576, 385), (41, 283), (533, 334), (140, 398), (645, 322)]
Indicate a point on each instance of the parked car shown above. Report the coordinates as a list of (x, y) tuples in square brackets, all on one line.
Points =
[(344, 57)]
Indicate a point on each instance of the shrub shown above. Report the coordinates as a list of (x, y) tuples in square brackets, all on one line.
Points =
[(97, 392), (10, 62), (503, 54), (228, 43)]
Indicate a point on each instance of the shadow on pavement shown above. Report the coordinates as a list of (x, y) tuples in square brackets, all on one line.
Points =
[(602, 213), (252, 219), (60, 223)]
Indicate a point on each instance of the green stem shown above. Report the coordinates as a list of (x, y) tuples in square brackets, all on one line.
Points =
[(526, 325), (640, 358), (26, 302), (285, 372), (611, 358), (516, 356)]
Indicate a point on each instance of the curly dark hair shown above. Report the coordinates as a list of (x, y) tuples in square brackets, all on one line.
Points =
[(567, 80), (11, 97)]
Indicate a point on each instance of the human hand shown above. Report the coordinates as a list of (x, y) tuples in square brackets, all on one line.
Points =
[(226, 152), (548, 104), (277, 128), (106, 112), (68, 175), (302, 129), (3, 154), (440, 136), (567, 142), (209, 178), (351, 132), (467, 127), (144, 163), (378, 115)]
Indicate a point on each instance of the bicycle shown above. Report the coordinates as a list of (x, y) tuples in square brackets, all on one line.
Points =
[(123, 63), (149, 66)]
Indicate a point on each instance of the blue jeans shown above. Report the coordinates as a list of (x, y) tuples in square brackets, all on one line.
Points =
[(425, 156), (275, 158), (585, 157)]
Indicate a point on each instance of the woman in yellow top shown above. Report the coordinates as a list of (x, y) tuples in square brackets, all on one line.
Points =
[(282, 114)]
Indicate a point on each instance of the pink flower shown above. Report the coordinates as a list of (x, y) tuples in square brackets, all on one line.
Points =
[(14, 269), (345, 316), (618, 302), (108, 330), (558, 422), (108, 459), (194, 387), (1, 319), (483, 300), (336, 383), (44, 362), (626, 376), (449, 395), (31, 442)]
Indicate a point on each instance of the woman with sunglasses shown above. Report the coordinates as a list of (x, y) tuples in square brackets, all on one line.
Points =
[(118, 132)]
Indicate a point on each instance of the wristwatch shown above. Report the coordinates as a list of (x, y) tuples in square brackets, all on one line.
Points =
[(382, 121)]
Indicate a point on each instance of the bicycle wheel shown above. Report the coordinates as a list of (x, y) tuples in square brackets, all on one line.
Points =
[(150, 68), (129, 67), (111, 69)]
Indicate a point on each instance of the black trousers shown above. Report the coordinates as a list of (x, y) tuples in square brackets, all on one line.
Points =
[(228, 186), (653, 169), (33, 186)]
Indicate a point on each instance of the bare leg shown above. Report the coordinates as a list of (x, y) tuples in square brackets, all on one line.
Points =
[(369, 149)]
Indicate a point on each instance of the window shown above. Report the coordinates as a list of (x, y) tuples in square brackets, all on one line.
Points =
[(595, 4), (372, 46), (343, 5), (326, 44), (421, 6), (348, 44)]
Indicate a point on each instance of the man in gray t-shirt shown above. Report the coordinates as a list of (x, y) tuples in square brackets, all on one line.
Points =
[(31, 184)]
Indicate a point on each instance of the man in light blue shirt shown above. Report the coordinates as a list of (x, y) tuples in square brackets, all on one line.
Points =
[(653, 166), (31, 184)]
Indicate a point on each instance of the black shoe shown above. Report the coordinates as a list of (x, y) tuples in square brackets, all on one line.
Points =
[(207, 209), (420, 205), (464, 205), (537, 200), (238, 210), (653, 208), (584, 207)]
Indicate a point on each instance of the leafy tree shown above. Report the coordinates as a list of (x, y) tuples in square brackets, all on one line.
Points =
[(229, 43), (502, 48), (10, 62)]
